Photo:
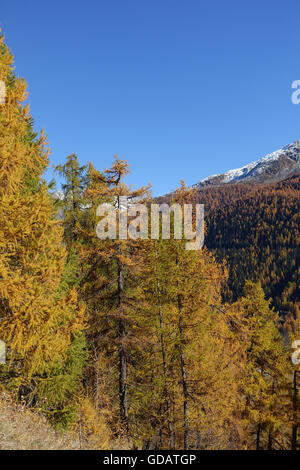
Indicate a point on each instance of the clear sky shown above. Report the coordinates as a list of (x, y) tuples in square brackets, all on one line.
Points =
[(180, 89)]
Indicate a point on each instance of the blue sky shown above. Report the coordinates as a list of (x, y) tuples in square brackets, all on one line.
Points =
[(181, 89)]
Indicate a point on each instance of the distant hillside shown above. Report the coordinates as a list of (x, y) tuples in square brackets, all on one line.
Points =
[(255, 228)]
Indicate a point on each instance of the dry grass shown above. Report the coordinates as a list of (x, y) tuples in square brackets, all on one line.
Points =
[(22, 429)]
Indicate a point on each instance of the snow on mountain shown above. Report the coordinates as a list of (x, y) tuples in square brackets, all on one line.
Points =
[(275, 166), (58, 195)]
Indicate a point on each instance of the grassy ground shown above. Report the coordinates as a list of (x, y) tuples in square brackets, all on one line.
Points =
[(21, 428)]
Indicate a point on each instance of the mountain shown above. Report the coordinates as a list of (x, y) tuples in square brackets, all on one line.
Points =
[(58, 195), (273, 167), (252, 223), (255, 229)]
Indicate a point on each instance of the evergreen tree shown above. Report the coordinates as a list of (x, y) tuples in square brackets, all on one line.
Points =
[(293, 331), (39, 321), (266, 370), (75, 180), (110, 288)]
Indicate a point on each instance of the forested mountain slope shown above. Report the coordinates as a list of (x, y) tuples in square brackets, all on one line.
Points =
[(255, 228)]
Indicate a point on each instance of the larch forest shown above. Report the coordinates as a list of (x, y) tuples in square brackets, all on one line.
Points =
[(140, 343)]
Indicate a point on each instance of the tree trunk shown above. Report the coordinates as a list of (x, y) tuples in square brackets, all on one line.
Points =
[(122, 354), (184, 378), (295, 406), (96, 366), (270, 437), (258, 436), (270, 440), (163, 353)]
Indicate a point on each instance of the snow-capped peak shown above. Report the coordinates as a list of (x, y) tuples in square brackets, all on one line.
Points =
[(286, 160)]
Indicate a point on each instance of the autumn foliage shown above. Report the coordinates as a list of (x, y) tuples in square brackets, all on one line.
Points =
[(139, 343)]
